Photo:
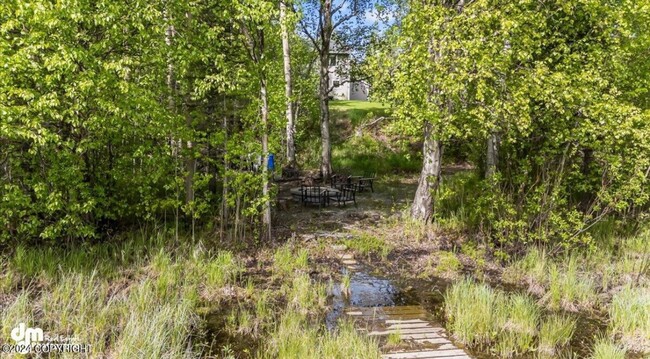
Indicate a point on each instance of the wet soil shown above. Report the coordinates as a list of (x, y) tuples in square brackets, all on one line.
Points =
[(395, 281)]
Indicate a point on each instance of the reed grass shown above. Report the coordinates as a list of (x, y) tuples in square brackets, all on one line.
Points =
[(471, 311), (555, 332), (606, 349), (630, 317), (296, 337)]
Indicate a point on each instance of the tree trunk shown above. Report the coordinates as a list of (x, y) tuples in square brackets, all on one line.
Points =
[(190, 160), (323, 92), (422, 207), (171, 78), (170, 32), (286, 55), (266, 211), (492, 155)]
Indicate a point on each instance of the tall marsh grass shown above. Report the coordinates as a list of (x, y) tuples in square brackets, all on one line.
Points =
[(471, 309), (511, 324), (607, 349), (630, 317), (286, 260), (555, 332), (295, 337)]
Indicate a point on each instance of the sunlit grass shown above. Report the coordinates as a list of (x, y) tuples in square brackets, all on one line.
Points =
[(520, 327), (630, 317), (367, 244), (295, 337), (607, 349), (471, 311), (357, 111), (448, 264), (555, 332), (509, 324), (286, 261), (223, 269)]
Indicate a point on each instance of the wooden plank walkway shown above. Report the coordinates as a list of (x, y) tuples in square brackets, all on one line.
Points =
[(419, 336)]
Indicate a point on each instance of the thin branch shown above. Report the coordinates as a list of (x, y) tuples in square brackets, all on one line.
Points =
[(309, 36), (336, 9), (345, 19)]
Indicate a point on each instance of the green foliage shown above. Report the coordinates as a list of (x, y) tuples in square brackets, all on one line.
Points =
[(553, 84), (607, 349), (366, 154), (555, 332), (367, 244), (630, 317), (357, 111), (113, 114)]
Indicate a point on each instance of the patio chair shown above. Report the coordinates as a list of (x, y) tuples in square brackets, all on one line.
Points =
[(314, 195), (339, 181), (366, 182), (353, 181), (346, 194)]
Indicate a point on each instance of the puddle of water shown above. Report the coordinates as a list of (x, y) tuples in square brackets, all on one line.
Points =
[(223, 343), (368, 290), (365, 290)]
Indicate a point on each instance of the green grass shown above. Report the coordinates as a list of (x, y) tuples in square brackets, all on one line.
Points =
[(367, 244), (357, 111), (448, 264), (298, 333), (296, 337), (223, 269), (534, 265), (368, 155), (555, 332), (607, 349), (143, 297), (470, 309), (511, 324), (568, 287), (286, 260), (345, 284), (520, 327), (630, 317), (305, 296), (394, 338), (562, 284)]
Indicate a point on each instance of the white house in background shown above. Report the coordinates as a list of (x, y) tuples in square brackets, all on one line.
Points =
[(342, 87)]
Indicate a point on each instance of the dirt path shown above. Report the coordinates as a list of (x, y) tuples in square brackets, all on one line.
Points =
[(402, 325)]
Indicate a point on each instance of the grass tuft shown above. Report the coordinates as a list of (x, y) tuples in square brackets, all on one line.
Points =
[(295, 337), (555, 332), (224, 269), (471, 310), (367, 244), (630, 317), (606, 349)]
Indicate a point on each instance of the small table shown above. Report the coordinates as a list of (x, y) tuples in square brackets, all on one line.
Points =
[(312, 194)]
